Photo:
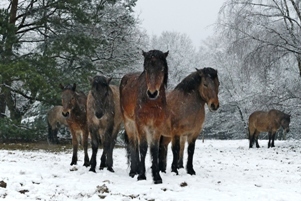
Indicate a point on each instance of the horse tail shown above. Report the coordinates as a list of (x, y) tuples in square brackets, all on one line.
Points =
[(127, 146)]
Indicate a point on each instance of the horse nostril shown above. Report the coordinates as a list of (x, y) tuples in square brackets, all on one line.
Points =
[(65, 114), (213, 107), (152, 95)]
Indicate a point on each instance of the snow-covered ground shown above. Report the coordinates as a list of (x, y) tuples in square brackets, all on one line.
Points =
[(225, 170)]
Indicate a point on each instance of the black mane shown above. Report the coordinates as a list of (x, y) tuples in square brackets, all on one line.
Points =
[(192, 81)]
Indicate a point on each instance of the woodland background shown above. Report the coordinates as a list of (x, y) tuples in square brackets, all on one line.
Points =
[(256, 49)]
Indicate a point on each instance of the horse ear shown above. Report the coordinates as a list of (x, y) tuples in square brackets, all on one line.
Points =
[(74, 87), (109, 80), (200, 72), (166, 53), (61, 86), (143, 53)]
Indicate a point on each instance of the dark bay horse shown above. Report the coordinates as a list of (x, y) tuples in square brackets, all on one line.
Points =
[(74, 109), (271, 121), (187, 108), (104, 119), (145, 113), (55, 119)]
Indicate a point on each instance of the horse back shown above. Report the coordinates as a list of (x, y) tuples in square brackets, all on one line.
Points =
[(55, 116), (264, 121)]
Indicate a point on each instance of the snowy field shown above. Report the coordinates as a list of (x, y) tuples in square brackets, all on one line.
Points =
[(225, 170)]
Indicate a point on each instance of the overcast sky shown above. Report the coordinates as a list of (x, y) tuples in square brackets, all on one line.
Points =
[(193, 17)]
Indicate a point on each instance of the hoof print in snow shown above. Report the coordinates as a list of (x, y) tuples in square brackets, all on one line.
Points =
[(3, 184), (102, 189), (219, 182), (73, 169), (23, 191), (183, 184), (257, 185)]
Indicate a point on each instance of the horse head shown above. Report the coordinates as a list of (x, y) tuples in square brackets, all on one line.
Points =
[(68, 99), (100, 86), (208, 87), (285, 121), (156, 72)]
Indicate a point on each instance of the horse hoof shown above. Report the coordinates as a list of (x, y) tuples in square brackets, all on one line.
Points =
[(191, 172), (175, 171), (86, 164), (110, 169), (92, 170), (73, 163), (141, 177), (159, 181), (101, 168)]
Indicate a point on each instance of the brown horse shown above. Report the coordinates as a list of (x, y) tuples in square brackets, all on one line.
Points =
[(187, 105), (74, 109), (104, 119), (145, 113), (271, 121), (55, 120)]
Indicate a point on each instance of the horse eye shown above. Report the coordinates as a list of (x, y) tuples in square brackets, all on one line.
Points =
[(205, 85)]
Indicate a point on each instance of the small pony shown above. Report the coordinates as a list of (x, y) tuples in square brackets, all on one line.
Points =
[(55, 120), (74, 110), (104, 119), (271, 121), (187, 105), (145, 113)]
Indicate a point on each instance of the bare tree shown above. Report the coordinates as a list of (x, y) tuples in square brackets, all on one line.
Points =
[(265, 31), (183, 56)]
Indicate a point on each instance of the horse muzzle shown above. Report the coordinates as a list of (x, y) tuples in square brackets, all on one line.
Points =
[(66, 114), (152, 94), (214, 107)]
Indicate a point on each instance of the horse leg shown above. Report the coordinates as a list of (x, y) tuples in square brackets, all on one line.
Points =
[(75, 147), (175, 151), (154, 154), (191, 148), (55, 139), (273, 139), (164, 141), (50, 134), (95, 142), (181, 153), (132, 151), (143, 150), (256, 138), (270, 139), (103, 158), (109, 149), (85, 145), (251, 137)]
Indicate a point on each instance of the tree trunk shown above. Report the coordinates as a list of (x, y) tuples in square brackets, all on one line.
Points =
[(299, 63)]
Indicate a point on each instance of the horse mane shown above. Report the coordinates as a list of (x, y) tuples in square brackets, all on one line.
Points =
[(158, 54), (192, 81)]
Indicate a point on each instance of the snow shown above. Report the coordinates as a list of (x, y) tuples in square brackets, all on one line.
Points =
[(225, 170)]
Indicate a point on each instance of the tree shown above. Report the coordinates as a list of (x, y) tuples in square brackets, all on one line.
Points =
[(44, 42), (267, 30), (182, 58)]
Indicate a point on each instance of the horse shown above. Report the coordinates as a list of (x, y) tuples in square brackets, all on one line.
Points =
[(144, 110), (54, 121), (74, 110), (104, 119), (271, 121), (187, 105)]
